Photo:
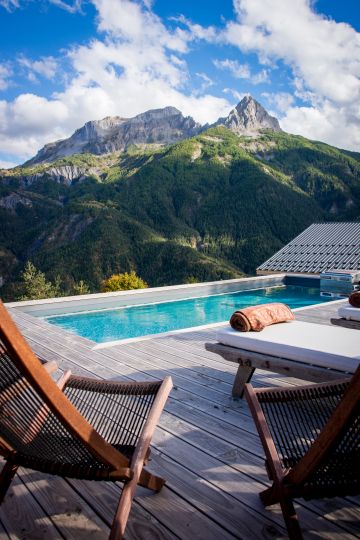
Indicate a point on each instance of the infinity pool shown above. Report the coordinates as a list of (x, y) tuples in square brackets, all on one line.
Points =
[(128, 322)]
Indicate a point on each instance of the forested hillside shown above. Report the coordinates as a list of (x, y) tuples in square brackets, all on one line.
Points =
[(211, 207)]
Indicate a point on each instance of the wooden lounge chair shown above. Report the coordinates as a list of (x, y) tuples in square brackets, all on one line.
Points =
[(78, 428), (309, 351), (311, 438)]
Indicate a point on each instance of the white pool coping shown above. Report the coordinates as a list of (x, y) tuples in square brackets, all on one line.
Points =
[(106, 301), (86, 302)]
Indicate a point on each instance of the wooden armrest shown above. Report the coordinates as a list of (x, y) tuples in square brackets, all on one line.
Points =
[(51, 366), (333, 387), (266, 438), (106, 386), (61, 383), (148, 430)]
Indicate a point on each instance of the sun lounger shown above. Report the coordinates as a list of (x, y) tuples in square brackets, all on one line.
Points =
[(305, 350), (349, 313)]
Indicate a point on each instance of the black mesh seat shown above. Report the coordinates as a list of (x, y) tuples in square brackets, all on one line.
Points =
[(78, 428), (296, 418), (311, 438)]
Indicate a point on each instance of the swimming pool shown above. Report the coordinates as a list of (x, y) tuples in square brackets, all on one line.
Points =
[(114, 324)]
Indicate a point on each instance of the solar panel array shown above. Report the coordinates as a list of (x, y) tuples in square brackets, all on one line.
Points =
[(322, 246)]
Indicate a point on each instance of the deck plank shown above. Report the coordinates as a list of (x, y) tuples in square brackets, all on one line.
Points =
[(103, 497), (65, 508), (3, 534), (205, 445), (173, 512), (23, 517)]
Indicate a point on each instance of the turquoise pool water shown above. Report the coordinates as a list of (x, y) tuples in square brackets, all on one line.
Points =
[(128, 322)]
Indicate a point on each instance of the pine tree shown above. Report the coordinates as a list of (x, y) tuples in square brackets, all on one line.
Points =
[(35, 285), (80, 288)]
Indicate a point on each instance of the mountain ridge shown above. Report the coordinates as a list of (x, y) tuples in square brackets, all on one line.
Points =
[(111, 134), (156, 126)]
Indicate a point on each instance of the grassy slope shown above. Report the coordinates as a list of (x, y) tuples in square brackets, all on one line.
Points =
[(210, 207)]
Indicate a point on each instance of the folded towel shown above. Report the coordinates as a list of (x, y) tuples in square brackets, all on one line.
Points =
[(354, 299), (255, 318)]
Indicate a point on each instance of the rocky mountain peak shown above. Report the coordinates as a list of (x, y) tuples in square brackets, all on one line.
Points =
[(114, 133), (160, 126), (249, 117)]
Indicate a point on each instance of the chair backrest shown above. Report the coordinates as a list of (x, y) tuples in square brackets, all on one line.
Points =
[(31, 402), (337, 447)]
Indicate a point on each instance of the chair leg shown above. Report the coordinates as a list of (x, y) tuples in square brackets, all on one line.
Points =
[(150, 481), (147, 457), (7, 474), (147, 480), (273, 495), (243, 376), (270, 496), (291, 519), (122, 512)]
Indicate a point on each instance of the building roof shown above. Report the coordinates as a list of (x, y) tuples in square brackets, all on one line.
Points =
[(322, 246)]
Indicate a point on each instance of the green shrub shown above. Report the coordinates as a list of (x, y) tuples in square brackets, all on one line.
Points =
[(80, 288), (191, 279), (35, 286), (123, 282)]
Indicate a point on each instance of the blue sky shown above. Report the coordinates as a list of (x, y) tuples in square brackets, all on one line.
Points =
[(63, 62)]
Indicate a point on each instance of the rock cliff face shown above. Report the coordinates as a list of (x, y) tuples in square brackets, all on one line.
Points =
[(10, 202), (249, 117), (162, 126), (159, 126)]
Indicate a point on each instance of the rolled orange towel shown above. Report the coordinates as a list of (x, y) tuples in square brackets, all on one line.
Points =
[(255, 318), (354, 299)]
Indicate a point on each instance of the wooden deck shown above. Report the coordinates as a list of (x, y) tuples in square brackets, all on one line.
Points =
[(205, 445)]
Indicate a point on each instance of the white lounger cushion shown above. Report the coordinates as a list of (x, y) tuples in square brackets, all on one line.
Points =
[(323, 345), (349, 312)]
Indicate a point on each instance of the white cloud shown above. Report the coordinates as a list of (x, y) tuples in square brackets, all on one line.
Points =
[(196, 31), (281, 100), (9, 5), (237, 95), (239, 71), (337, 126), (46, 67), (322, 52), (206, 82), (7, 164), (324, 57), (136, 23), (139, 65), (260, 77), (242, 71), (5, 74), (71, 7), (28, 120)]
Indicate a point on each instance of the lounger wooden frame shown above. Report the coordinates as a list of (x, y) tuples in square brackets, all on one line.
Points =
[(319, 455), (248, 361), (23, 377)]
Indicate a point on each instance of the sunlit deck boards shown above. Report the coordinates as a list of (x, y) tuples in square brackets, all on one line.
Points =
[(205, 445)]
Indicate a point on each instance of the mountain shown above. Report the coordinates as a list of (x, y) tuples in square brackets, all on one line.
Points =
[(213, 206), (249, 117), (162, 126), (159, 127)]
